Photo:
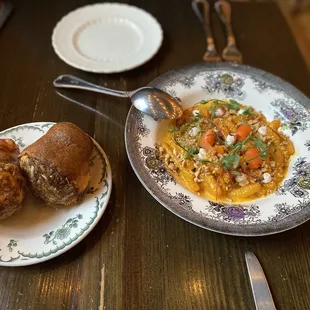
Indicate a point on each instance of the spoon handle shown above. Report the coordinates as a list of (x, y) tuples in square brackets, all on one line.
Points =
[(70, 81)]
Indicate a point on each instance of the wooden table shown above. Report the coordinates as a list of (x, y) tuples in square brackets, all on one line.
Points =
[(141, 256)]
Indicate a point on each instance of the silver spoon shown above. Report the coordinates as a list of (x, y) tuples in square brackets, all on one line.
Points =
[(149, 100)]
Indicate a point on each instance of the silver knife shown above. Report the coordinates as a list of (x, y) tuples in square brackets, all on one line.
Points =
[(260, 288)]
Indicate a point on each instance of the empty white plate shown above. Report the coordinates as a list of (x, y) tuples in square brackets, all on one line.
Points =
[(107, 37)]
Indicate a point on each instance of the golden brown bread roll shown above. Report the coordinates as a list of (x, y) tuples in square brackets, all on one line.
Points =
[(12, 182), (57, 165)]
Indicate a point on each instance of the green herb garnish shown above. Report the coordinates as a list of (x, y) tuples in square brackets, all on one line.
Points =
[(234, 105), (205, 160), (236, 173), (179, 144), (173, 129), (236, 148), (191, 152), (231, 161), (212, 110), (262, 147), (248, 111), (184, 127)]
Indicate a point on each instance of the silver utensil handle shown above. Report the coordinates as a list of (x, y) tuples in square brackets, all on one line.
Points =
[(70, 81), (204, 19), (260, 288), (223, 9)]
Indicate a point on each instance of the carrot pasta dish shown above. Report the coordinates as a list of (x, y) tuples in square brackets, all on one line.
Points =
[(226, 151)]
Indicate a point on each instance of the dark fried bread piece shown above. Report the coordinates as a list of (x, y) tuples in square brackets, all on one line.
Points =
[(57, 164), (12, 182)]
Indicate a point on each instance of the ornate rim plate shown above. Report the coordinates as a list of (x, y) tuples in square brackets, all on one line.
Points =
[(107, 37), (287, 208), (37, 232)]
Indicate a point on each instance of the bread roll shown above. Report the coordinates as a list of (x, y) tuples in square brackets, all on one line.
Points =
[(57, 165), (12, 182)]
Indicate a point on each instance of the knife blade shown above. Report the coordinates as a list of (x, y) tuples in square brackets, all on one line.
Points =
[(260, 288)]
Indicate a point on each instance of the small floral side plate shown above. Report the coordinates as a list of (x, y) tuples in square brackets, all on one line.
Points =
[(37, 232), (277, 99)]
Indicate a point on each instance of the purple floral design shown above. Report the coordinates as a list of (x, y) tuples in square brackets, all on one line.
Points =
[(239, 214), (294, 116), (235, 212)]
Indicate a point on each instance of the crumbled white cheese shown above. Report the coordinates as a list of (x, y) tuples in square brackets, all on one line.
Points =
[(262, 130), (202, 154), (219, 112), (230, 140), (196, 112), (240, 178), (193, 132), (267, 178), (240, 112)]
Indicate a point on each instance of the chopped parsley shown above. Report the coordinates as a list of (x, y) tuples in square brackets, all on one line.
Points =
[(212, 111), (231, 161), (236, 173), (191, 152), (248, 111), (173, 129), (234, 105), (262, 147)]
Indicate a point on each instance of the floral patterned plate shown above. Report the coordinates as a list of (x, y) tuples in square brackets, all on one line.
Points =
[(287, 208), (38, 233)]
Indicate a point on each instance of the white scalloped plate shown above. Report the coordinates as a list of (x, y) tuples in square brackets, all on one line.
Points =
[(37, 232), (107, 37)]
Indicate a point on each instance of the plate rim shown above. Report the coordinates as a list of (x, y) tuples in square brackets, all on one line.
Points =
[(109, 71), (35, 260), (254, 230)]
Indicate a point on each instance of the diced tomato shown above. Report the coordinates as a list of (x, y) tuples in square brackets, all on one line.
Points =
[(253, 158), (243, 131), (208, 136)]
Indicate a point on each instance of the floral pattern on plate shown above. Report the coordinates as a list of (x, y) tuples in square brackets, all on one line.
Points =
[(265, 92), (25, 240)]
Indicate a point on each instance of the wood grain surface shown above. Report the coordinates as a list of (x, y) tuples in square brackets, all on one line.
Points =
[(141, 256)]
